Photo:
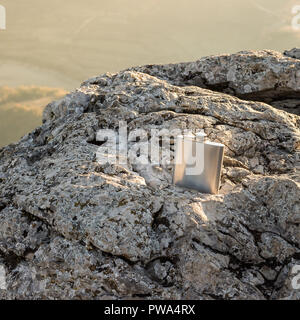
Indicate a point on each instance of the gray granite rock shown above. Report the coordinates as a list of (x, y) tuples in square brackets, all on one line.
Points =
[(71, 228), (293, 53)]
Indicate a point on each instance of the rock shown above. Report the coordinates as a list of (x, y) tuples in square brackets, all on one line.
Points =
[(73, 228), (268, 273), (293, 53), (289, 105), (264, 75), (284, 283), (274, 247)]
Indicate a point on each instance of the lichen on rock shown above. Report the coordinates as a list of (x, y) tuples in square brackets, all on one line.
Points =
[(71, 228)]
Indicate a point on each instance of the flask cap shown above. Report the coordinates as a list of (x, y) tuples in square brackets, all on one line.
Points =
[(200, 136)]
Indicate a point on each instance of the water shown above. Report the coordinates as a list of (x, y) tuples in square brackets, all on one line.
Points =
[(59, 44)]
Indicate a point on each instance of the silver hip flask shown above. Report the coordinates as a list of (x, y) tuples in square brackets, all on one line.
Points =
[(198, 163)]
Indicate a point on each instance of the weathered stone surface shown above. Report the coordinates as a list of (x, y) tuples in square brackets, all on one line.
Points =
[(293, 53), (257, 75), (289, 105), (71, 228)]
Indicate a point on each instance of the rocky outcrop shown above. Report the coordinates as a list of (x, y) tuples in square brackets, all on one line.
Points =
[(72, 228), (293, 53), (265, 76)]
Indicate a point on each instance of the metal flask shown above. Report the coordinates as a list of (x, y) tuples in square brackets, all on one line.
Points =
[(198, 163)]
